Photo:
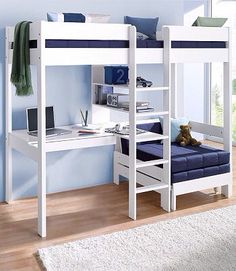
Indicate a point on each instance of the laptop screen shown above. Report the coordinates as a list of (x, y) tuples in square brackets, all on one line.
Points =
[(32, 118)]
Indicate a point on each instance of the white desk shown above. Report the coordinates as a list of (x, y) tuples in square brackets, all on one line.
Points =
[(26, 144), (21, 141)]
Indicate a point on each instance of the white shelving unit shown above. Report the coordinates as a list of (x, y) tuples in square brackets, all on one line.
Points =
[(133, 118)]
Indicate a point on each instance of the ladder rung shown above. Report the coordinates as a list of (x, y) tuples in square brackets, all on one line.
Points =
[(141, 164), (153, 137), (152, 114), (145, 121), (144, 137), (150, 137), (152, 187)]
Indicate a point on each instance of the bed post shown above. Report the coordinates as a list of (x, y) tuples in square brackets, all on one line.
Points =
[(132, 122), (41, 102), (227, 189), (174, 104), (116, 175), (173, 200), (8, 123), (165, 193)]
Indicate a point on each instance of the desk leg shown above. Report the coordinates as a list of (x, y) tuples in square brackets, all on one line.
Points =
[(42, 196), (41, 102), (8, 173)]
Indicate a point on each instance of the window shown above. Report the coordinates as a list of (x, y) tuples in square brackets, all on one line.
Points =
[(223, 8)]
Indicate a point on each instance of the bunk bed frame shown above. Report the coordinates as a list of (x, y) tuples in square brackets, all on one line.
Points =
[(41, 56)]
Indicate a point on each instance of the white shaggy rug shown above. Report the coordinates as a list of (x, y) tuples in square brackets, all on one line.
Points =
[(205, 241)]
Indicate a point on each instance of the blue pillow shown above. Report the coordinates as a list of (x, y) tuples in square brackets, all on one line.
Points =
[(74, 17), (65, 17), (147, 26), (175, 126)]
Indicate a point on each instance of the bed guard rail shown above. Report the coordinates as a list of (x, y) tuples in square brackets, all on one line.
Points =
[(190, 33), (207, 129)]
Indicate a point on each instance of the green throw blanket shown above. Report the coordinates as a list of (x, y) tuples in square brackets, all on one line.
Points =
[(20, 74)]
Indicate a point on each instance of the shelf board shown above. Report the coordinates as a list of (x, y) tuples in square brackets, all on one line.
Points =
[(112, 108), (125, 86), (138, 114), (138, 89)]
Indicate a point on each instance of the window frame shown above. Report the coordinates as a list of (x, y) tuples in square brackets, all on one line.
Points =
[(208, 86)]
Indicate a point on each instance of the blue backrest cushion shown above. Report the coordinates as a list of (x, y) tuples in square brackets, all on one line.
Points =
[(147, 26), (175, 126)]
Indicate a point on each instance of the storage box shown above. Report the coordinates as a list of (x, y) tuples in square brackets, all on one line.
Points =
[(116, 75)]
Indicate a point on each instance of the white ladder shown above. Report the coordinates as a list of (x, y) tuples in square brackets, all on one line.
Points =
[(164, 185)]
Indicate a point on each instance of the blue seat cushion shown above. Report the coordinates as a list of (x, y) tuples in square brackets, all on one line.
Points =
[(184, 158), (199, 173)]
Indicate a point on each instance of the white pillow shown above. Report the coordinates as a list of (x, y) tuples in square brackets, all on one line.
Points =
[(97, 18), (87, 18), (141, 36), (55, 17)]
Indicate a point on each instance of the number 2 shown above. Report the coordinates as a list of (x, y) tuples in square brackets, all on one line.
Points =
[(121, 74)]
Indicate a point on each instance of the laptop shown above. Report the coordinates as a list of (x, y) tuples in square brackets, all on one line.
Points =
[(32, 123)]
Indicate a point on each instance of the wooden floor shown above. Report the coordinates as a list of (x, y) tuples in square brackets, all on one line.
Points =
[(83, 213)]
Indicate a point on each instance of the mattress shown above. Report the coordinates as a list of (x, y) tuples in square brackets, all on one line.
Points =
[(188, 162), (55, 43), (125, 44)]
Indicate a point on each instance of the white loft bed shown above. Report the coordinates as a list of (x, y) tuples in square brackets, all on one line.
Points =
[(131, 56)]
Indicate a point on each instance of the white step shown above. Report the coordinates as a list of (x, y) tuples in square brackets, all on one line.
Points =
[(156, 162), (152, 187), (152, 114), (145, 89), (148, 136), (145, 121)]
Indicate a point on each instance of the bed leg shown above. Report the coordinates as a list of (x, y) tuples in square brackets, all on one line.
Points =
[(226, 190), (165, 200), (217, 190), (116, 176), (173, 200)]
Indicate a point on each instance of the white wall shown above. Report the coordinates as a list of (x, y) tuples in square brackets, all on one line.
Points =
[(69, 90), (194, 74)]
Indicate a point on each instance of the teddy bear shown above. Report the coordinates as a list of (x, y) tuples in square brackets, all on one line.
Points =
[(184, 138)]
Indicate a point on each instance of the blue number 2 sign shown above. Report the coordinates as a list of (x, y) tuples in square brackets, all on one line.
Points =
[(121, 78)]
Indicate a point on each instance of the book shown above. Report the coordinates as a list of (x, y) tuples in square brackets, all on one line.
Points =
[(88, 127), (138, 104), (84, 131), (149, 109)]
